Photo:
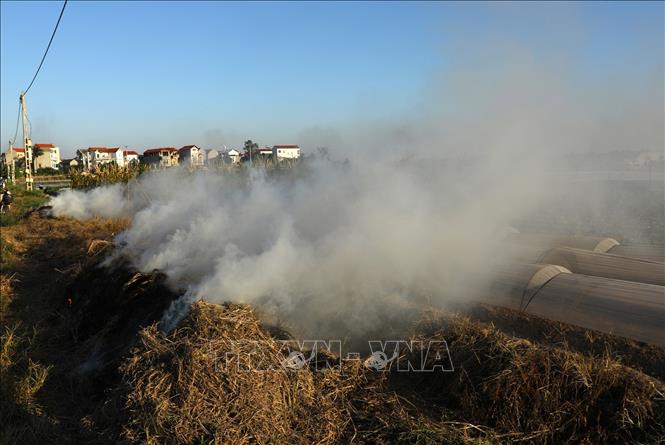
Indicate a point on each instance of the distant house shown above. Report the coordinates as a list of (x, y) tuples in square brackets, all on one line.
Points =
[(92, 158), (191, 156), (233, 156), (264, 152), (211, 156), (161, 157), (14, 154), (49, 157), (131, 157), (68, 164), (286, 151)]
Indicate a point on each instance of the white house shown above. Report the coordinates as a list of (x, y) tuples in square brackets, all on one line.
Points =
[(161, 157), (191, 156), (233, 155), (94, 157), (131, 157), (286, 151), (265, 151), (68, 164), (49, 157)]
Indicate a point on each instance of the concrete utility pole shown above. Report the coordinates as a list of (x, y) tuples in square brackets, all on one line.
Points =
[(11, 166), (27, 144)]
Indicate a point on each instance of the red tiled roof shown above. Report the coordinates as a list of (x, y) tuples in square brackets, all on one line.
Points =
[(285, 146), (103, 149), (19, 150), (157, 150), (44, 145), (129, 152), (187, 147)]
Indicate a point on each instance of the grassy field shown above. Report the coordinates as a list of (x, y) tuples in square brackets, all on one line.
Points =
[(23, 201)]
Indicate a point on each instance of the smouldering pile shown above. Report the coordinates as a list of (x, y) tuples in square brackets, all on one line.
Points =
[(196, 384), (203, 383)]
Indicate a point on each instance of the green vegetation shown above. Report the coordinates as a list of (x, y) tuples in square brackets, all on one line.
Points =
[(36, 152), (106, 174), (47, 171), (23, 201)]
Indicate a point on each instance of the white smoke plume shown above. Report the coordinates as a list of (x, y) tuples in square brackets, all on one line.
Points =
[(104, 201), (322, 241), (417, 212)]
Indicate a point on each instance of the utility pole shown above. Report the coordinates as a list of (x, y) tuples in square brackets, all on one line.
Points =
[(27, 144), (11, 177)]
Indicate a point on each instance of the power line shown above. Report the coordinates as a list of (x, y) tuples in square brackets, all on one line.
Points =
[(18, 115), (47, 48)]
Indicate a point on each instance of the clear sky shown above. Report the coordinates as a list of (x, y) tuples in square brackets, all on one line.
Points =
[(148, 74)]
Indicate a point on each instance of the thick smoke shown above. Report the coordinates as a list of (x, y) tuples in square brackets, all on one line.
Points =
[(103, 201), (416, 215), (320, 242)]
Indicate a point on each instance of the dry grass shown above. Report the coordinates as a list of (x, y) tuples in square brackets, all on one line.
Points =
[(643, 357), (34, 254), (202, 384), (207, 382), (550, 394), (21, 416), (170, 388)]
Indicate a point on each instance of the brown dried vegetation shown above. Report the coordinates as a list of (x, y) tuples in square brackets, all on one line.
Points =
[(84, 361)]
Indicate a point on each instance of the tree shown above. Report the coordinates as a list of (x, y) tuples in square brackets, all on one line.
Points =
[(251, 148), (36, 152)]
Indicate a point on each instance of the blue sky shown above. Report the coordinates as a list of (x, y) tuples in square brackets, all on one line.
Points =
[(146, 74)]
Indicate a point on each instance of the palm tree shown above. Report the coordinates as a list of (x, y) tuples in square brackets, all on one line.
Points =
[(250, 147), (36, 152)]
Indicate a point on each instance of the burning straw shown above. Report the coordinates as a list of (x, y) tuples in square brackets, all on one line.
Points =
[(200, 384)]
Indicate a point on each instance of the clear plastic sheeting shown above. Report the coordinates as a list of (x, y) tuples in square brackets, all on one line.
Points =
[(626, 308), (607, 265)]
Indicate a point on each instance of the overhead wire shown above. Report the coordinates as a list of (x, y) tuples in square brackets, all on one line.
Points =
[(47, 48), (18, 115)]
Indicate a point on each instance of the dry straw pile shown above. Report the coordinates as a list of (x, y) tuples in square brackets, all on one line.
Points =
[(200, 383), (543, 393)]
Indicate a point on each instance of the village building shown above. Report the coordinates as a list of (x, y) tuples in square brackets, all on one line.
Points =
[(49, 156), (15, 154), (286, 151), (264, 152), (161, 157), (212, 157), (94, 157), (68, 164), (130, 156), (233, 156), (191, 156)]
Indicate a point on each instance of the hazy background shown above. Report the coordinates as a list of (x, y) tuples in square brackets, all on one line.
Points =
[(356, 77), (458, 121)]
